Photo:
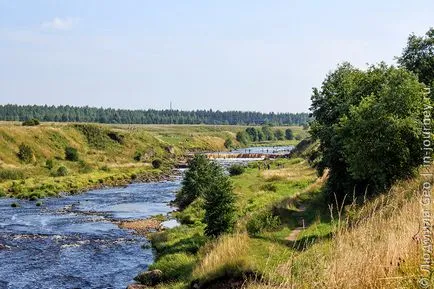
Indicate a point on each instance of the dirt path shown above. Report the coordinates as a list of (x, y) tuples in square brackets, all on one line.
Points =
[(294, 233)]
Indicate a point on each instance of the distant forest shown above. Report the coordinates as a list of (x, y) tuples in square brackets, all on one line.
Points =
[(68, 113)]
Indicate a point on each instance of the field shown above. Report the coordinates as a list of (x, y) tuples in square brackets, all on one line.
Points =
[(106, 154)]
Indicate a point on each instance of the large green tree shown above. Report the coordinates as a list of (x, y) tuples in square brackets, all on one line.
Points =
[(418, 57), (368, 124)]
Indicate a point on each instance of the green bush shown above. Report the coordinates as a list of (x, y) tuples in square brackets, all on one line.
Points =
[(25, 153), (62, 171), (49, 164), (228, 143), (137, 156), (11, 174), (96, 136), (269, 187), (278, 134), (71, 154), (236, 170), (31, 122), (115, 136), (289, 135), (156, 164), (263, 221)]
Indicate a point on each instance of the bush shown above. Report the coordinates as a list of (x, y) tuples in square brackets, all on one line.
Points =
[(49, 164), (25, 153), (236, 170), (289, 135), (137, 156), (228, 143), (71, 154), (11, 174), (62, 171), (243, 137), (262, 221), (278, 134), (31, 122), (115, 136), (156, 164)]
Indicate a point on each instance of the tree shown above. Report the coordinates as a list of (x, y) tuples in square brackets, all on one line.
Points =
[(243, 137), (196, 181), (278, 134), (363, 117), (268, 133), (418, 57), (219, 203), (253, 133), (289, 135)]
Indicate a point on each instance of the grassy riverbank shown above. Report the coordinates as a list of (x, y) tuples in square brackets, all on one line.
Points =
[(107, 155), (367, 244)]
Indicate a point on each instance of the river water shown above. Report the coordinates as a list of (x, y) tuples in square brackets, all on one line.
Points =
[(74, 242), (71, 242)]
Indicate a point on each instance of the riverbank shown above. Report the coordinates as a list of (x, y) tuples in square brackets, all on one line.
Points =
[(288, 235), (45, 160), (180, 250)]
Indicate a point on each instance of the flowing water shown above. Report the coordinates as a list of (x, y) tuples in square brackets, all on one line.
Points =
[(72, 241)]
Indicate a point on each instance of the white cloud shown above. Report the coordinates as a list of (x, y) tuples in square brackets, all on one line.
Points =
[(61, 23)]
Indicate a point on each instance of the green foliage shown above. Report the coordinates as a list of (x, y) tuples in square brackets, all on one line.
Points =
[(71, 154), (196, 181), (268, 132), (243, 137), (278, 134), (25, 153), (236, 169), (156, 164), (137, 156), (116, 136), (219, 203), (363, 117), (108, 115), (263, 221), (418, 57), (289, 135), (49, 164), (11, 174), (228, 143), (96, 136), (62, 171), (31, 122)]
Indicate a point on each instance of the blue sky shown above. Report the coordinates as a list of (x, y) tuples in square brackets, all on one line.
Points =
[(227, 55)]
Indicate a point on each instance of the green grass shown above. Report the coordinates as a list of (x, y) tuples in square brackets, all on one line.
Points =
[(266, 191)]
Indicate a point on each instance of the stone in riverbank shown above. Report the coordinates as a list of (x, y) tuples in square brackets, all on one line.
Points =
[(137, 286), (150, 278)]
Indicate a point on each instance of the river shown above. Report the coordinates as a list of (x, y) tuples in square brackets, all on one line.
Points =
[(73, 241)]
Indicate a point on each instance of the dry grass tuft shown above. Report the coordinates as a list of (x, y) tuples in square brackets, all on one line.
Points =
[(376, 245)]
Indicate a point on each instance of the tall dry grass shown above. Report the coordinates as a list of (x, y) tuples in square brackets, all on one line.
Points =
[(376, 245)]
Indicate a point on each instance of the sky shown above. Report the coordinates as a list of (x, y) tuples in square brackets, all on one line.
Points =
[(222, 55)]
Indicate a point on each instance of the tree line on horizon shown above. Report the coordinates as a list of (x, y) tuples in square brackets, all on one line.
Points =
[(66, 113)]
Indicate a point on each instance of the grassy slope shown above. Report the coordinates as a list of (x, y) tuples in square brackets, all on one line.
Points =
[(257, 191), (103, 160), (368, 244)]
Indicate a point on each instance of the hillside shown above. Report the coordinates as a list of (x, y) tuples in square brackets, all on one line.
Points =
[(107, 154)]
